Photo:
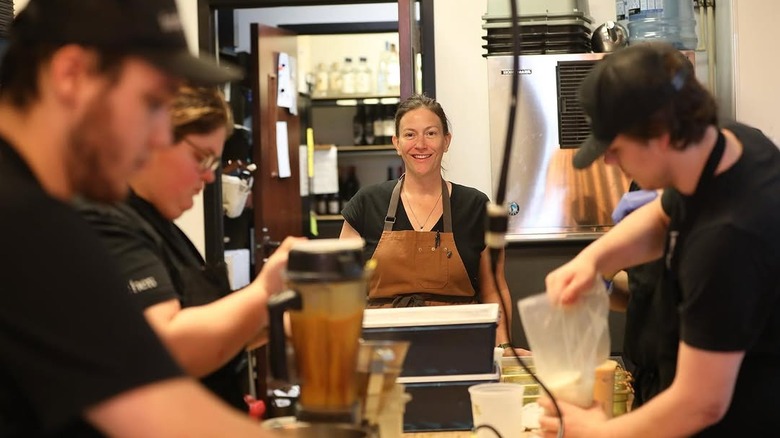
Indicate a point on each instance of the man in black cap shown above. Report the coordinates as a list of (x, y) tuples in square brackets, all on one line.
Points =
[(716, 227), (84, 98)]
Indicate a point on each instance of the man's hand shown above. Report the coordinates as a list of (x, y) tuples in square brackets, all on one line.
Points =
[(578, 422)]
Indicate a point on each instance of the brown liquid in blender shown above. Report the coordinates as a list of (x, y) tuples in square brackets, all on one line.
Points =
[(326, 354)]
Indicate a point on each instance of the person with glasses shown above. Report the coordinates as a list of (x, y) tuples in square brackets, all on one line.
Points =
[(187, 301)]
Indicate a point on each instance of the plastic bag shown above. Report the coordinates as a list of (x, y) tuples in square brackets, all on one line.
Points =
[(568, 343)]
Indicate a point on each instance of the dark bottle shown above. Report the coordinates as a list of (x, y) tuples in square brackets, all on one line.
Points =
[(368, 125), (388, 125), (322, 204), (378, 125), (351, 184), (334, 206), (358, 123), (390, 173)]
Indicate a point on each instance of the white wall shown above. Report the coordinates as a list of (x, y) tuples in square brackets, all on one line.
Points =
[(191, 222), (756, 88)]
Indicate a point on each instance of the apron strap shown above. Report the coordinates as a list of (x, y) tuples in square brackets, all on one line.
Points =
[(445, 207), (393, 207), (396, 196)]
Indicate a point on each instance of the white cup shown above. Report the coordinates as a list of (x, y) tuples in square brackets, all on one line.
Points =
[(498, 405)]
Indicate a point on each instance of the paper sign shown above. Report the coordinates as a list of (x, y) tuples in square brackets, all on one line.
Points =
[(326, 171), (284, 95), (282, 151)]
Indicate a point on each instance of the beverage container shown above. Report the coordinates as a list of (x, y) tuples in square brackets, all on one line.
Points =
[(364, 77), (368, 125), (670, 21), (325, 301), (334, 206), (498, 405), (379, 127), (389, 72), (334, 79), (320, 81), (348, 77), (351, 184), (393, 71), (358, 125), (388, 125)]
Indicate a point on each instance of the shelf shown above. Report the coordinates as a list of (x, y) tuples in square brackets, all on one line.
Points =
[(354, 100), (367, 148), (329, 217)]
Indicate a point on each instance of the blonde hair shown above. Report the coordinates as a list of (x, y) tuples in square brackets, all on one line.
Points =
[(199, 110)]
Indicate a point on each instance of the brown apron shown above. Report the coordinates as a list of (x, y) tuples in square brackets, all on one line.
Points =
[(418, 268)]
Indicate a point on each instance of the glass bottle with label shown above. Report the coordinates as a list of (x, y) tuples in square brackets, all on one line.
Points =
[(348, 77), (364, 78), (320, 81), (351, 184), (334, 206), (358, 124), (334, 79), (379, 127), (368, 125), (388, 125), (393, 72)]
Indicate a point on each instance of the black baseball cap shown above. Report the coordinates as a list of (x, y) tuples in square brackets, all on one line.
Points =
[(625, 88), (150, 29)]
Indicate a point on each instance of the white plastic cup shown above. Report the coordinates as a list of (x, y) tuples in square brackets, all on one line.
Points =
[(498, 405)]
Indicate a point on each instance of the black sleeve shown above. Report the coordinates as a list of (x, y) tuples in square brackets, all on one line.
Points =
[(70, 336), (137, 254)]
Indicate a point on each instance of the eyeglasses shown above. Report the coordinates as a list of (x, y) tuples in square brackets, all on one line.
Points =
[(207, 160)]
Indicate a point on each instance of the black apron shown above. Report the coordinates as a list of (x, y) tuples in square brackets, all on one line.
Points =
[(666, 313), (197, 283)]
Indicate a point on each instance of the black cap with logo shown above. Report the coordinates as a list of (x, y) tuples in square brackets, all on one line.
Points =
[(625, 88), (150, 29)]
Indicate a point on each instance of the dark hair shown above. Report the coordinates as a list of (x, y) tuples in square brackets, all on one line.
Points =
[(22, 63), (686, 116), (417, 101), (199, 110)]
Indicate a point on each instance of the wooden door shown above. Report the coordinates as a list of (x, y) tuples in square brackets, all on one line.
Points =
[(277, 201)]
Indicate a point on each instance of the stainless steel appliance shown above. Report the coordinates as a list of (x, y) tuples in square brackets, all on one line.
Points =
[(547, 198)]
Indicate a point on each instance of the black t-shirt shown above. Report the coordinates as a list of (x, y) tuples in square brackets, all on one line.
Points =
[(366, 212), (70, 337), (729, 278)]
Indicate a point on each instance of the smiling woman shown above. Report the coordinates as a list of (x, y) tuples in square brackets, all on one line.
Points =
[(422, 209)]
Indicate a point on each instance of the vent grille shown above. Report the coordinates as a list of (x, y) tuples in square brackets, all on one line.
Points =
[(573, 127)]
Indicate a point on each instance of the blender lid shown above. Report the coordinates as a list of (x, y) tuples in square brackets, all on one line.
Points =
[(326, 260)]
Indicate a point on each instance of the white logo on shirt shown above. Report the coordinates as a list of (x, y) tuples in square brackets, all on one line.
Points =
[(141, 285)]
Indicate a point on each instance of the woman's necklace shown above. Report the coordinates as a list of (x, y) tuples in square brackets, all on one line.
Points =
[(422, 225)]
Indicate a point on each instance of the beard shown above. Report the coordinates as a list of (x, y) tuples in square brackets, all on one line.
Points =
[(96, 155)]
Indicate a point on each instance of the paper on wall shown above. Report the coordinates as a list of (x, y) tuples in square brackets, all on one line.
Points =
[(282, 151), (326, 171)]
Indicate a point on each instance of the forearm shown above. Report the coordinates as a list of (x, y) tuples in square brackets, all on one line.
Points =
[(171, 408), (698, 397), (204, 338)]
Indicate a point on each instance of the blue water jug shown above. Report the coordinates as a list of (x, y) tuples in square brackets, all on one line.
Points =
[(670, 21)]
